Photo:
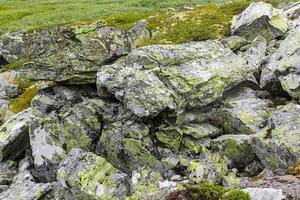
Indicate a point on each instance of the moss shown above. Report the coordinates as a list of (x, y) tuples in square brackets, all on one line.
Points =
[(15, 65), (294, 170), (23, 101), (206, 191), (236, 195)]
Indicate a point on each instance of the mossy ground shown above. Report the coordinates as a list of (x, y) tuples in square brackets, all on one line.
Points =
[(208, 191), (206, 21)]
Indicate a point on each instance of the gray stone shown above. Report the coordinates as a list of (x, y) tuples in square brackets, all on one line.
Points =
[(155, 78), (243, 112), (277, 146), (14, 136), (235, 42), (89, 174), (259, 19), (265, 193), (283, 66), (293, 11)]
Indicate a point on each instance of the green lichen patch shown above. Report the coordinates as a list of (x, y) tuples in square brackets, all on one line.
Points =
[(15, 65), (24, 100)]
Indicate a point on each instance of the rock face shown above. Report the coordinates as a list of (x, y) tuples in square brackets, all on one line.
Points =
[(283, 66), (93, 176), (259, 19), (278, 147), (113, 121), (152, 79), (14, 138), (68, 54)]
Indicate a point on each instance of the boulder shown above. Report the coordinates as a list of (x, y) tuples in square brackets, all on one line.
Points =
[(209, 167), (283, 66), (277, 146), (236, 149), (70, 55), (175, 77), (293, 11), (235, 42), (63, 118), (243, 111), (265, 193), (259, 19), (92, 177), (24, 187), (14, 135)]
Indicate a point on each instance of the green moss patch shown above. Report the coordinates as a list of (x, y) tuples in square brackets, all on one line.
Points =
[(15, 65)]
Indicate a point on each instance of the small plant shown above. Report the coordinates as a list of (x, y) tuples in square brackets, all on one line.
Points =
[(294, 170), (236, 194), (206, 191)]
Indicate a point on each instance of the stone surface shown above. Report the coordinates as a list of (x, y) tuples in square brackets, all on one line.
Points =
[(235, 42), (94, 177), (293, 11), (277, 146), (284, 65), (156, 78), (24, 187), (264, 194), (244, 111), (14, 135), (259, 19)]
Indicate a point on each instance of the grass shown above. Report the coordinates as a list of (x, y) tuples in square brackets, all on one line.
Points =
[(204, 22), (18, 15)]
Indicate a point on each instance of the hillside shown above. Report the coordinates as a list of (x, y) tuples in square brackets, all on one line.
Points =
[(149, 100)]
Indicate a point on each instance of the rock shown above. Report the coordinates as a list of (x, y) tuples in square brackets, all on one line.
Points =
[(208, 168), (14, 136), (70, 55), (232, 181), (24, 187), (265, 194), (254, 168), (283, 66), (277, 147), (259, 19), (12, 47), (240, 119), (288, 186), (92, 176), (156, 78), (63, 118), (7, 172), (236, 149), (293, 11), (235, 42)]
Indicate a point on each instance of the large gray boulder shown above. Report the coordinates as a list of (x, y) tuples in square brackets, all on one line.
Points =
[(14, 135), (259, 19), (277, 146), (283, 66), (91, 177), (265, 193), (156, 78), (244, 111), (68, 54)]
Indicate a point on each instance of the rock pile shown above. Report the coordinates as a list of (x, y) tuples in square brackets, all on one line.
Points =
[(112, 121)]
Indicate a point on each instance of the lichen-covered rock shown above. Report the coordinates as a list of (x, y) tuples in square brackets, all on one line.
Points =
[(265, 193), (293, 11), (24, 187), (235, 42), (12, 48), (128, 144), (283, 66), (94, 177), (209, 167), (14, 135), (155, 78), (259, 19), (63, 118), (7, 172), (236, 149), (68, 54), (277, 147), (244, 111)]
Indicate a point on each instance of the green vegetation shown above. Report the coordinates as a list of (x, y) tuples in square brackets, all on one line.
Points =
[(208, 191), (24, 100), (294, 170), (15, 65), (206, 21), (237, 195)]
